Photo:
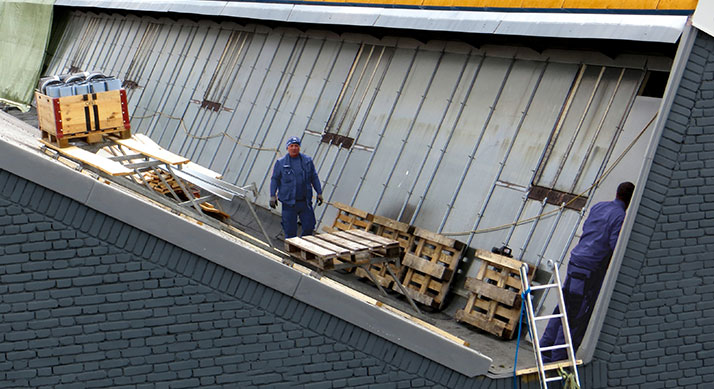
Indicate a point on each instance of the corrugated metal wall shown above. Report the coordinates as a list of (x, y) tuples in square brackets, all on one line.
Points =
[(447, 136)]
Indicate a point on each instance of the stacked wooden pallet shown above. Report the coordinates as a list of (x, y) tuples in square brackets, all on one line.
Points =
[(428, 263), (392, 229), (156, 183), (494, 303)]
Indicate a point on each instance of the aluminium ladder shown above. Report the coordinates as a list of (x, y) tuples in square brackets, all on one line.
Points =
[(532, 323)]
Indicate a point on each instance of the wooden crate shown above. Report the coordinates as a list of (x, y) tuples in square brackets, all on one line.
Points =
[(392, 229), (429, 267), (87, 116), (494, 303)]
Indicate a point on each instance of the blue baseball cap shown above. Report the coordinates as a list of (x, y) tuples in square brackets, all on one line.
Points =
[(291, 140)]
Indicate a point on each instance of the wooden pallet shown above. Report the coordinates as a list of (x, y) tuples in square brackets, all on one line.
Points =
[(353, 248), (494, 303), (88, 137), (392, 229), (350, 218), (430, 264)]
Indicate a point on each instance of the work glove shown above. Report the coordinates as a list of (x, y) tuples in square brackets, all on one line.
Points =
[(273, 202), (319, 200)]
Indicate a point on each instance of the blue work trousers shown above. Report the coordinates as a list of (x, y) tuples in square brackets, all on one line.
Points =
[(580, 292), (302, 209)]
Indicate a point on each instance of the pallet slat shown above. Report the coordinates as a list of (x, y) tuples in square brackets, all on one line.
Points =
[(424, 266), (153, 150), (108, 166)]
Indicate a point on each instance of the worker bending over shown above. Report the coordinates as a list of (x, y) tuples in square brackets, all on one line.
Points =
[(294, 176), (586, 271)]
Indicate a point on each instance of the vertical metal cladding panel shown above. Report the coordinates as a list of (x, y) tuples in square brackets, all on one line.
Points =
[(305, 84), (552, 165), (171, 84), (397, 132), (95, 40), (276, 86), (387, 95), (487, 84), (113, 29), (570, 147), (213, 121), (337, 74), (144, 62), (193, 81), (429, 194), (196, 117), (59, 62), (276, 123), (539, 123), (480, 177), (253, 102), (148, 102), (117, 47), (346, 174), (127, 45), (72, 42), (612, 117), (227, 146), (425, 129)]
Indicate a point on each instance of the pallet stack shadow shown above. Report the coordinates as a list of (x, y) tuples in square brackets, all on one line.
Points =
[(429, 260), (494, 302), (81, 106)]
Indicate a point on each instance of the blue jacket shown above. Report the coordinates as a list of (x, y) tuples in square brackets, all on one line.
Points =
[(600, 233), (283, 180)]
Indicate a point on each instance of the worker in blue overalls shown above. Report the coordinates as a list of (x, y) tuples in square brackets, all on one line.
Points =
[(586, 271), (294, 177)]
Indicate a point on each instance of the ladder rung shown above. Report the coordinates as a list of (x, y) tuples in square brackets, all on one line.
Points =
[(539, 287), (548, 316), (556, 347), (551, 379)]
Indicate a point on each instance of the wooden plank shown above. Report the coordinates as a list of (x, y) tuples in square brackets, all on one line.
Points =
[(509, 281), (352, 246), (376, 238), (415, 295), (390, 223), (327, 245), (311, 247), (152, 150), (424, 266), (548, 367), (480, 320), (500, 260), (108, 166), (434, 237), (491, 291), (352, 210), (45, 113), (190, 165), (357, 239)]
